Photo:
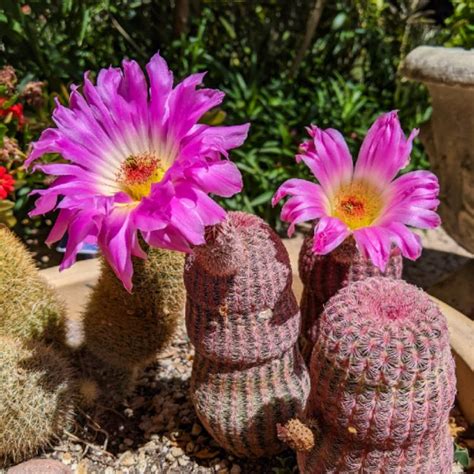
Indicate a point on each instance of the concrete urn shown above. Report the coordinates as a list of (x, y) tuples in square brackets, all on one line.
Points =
[(449, 136)]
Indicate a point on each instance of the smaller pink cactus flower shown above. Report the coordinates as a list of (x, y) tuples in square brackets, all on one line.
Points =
[(364, 200)]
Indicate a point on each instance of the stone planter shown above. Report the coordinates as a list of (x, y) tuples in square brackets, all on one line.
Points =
[(449, 137)]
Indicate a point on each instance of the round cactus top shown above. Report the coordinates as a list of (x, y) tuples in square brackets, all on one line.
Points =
[(387, 329), (230, 243), (384, 301)]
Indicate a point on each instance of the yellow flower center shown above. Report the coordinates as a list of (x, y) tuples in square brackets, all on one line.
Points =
[(138, 173), (357, 204)]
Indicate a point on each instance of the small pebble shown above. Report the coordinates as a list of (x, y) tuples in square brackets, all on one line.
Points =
[(196, 429), (127, 459), (177, 452)]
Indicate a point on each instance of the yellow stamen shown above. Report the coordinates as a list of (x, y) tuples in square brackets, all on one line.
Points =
[(357, 204), (138, 173)]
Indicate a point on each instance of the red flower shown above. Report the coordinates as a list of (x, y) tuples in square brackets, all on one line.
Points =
[(7, 182), (16, 110)]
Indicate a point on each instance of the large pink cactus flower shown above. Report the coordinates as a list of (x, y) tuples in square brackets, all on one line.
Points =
[(138, 162), (364, 200)]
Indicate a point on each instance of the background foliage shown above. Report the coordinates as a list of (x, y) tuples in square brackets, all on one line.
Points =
[(347, 76)]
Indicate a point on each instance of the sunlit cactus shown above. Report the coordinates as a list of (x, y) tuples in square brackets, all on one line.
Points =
[(30, 308), (127, 330), (324, 275), (243, 320), (37, 394), (382, 383)]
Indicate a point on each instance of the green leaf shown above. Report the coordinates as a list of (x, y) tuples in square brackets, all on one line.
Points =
[(461, 455), (339, 21), (262, 199), (6, 205), (228, 27)]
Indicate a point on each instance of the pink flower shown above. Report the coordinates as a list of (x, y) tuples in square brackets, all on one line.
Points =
[(364, 201), (139, 163)]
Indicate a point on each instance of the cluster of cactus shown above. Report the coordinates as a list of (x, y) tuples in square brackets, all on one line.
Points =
[(30, 309), (36, 381), (243, 319), (36, 397), (383, 384), (127, 330), (324, 275)]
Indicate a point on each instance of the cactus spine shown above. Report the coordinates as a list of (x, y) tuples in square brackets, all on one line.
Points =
[(127, 330), (324, 275), (243, 319), (36, 398), (383, 383), (30, 309)]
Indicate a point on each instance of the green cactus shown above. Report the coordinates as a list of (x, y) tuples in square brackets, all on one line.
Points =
[(36, 398), (30, 307), (127, 330)]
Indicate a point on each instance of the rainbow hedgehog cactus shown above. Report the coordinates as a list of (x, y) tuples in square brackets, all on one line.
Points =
[(137, 176), (382, 385), (361, 213)]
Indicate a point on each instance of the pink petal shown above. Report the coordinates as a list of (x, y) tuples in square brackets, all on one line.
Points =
[(412, 200), (187, 105), (60, 226), (83, 224), (208, 141), (308, 202), (187, 221), (206, 208), (329, 232), (328, 158), (221, 177), (169, 238), (116, 241), (408, 242), (374, 243), (385, 150)]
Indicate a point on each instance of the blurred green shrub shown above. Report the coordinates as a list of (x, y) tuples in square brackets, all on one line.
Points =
[(460, 25), (347, 76)]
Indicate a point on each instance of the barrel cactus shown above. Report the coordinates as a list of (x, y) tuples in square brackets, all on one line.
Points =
[(324, 275), (126, 330), (383, 384), (36, 398), (243, 319), (30, 308)]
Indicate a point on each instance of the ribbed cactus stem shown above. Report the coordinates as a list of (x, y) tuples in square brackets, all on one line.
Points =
[(37, 392), (29, 308), (243, 319), (125, 330), (324, 275), (382, 383), (224, 250)]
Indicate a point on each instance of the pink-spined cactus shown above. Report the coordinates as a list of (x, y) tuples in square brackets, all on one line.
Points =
[(323, 275), (243, 320), (382, 384)]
